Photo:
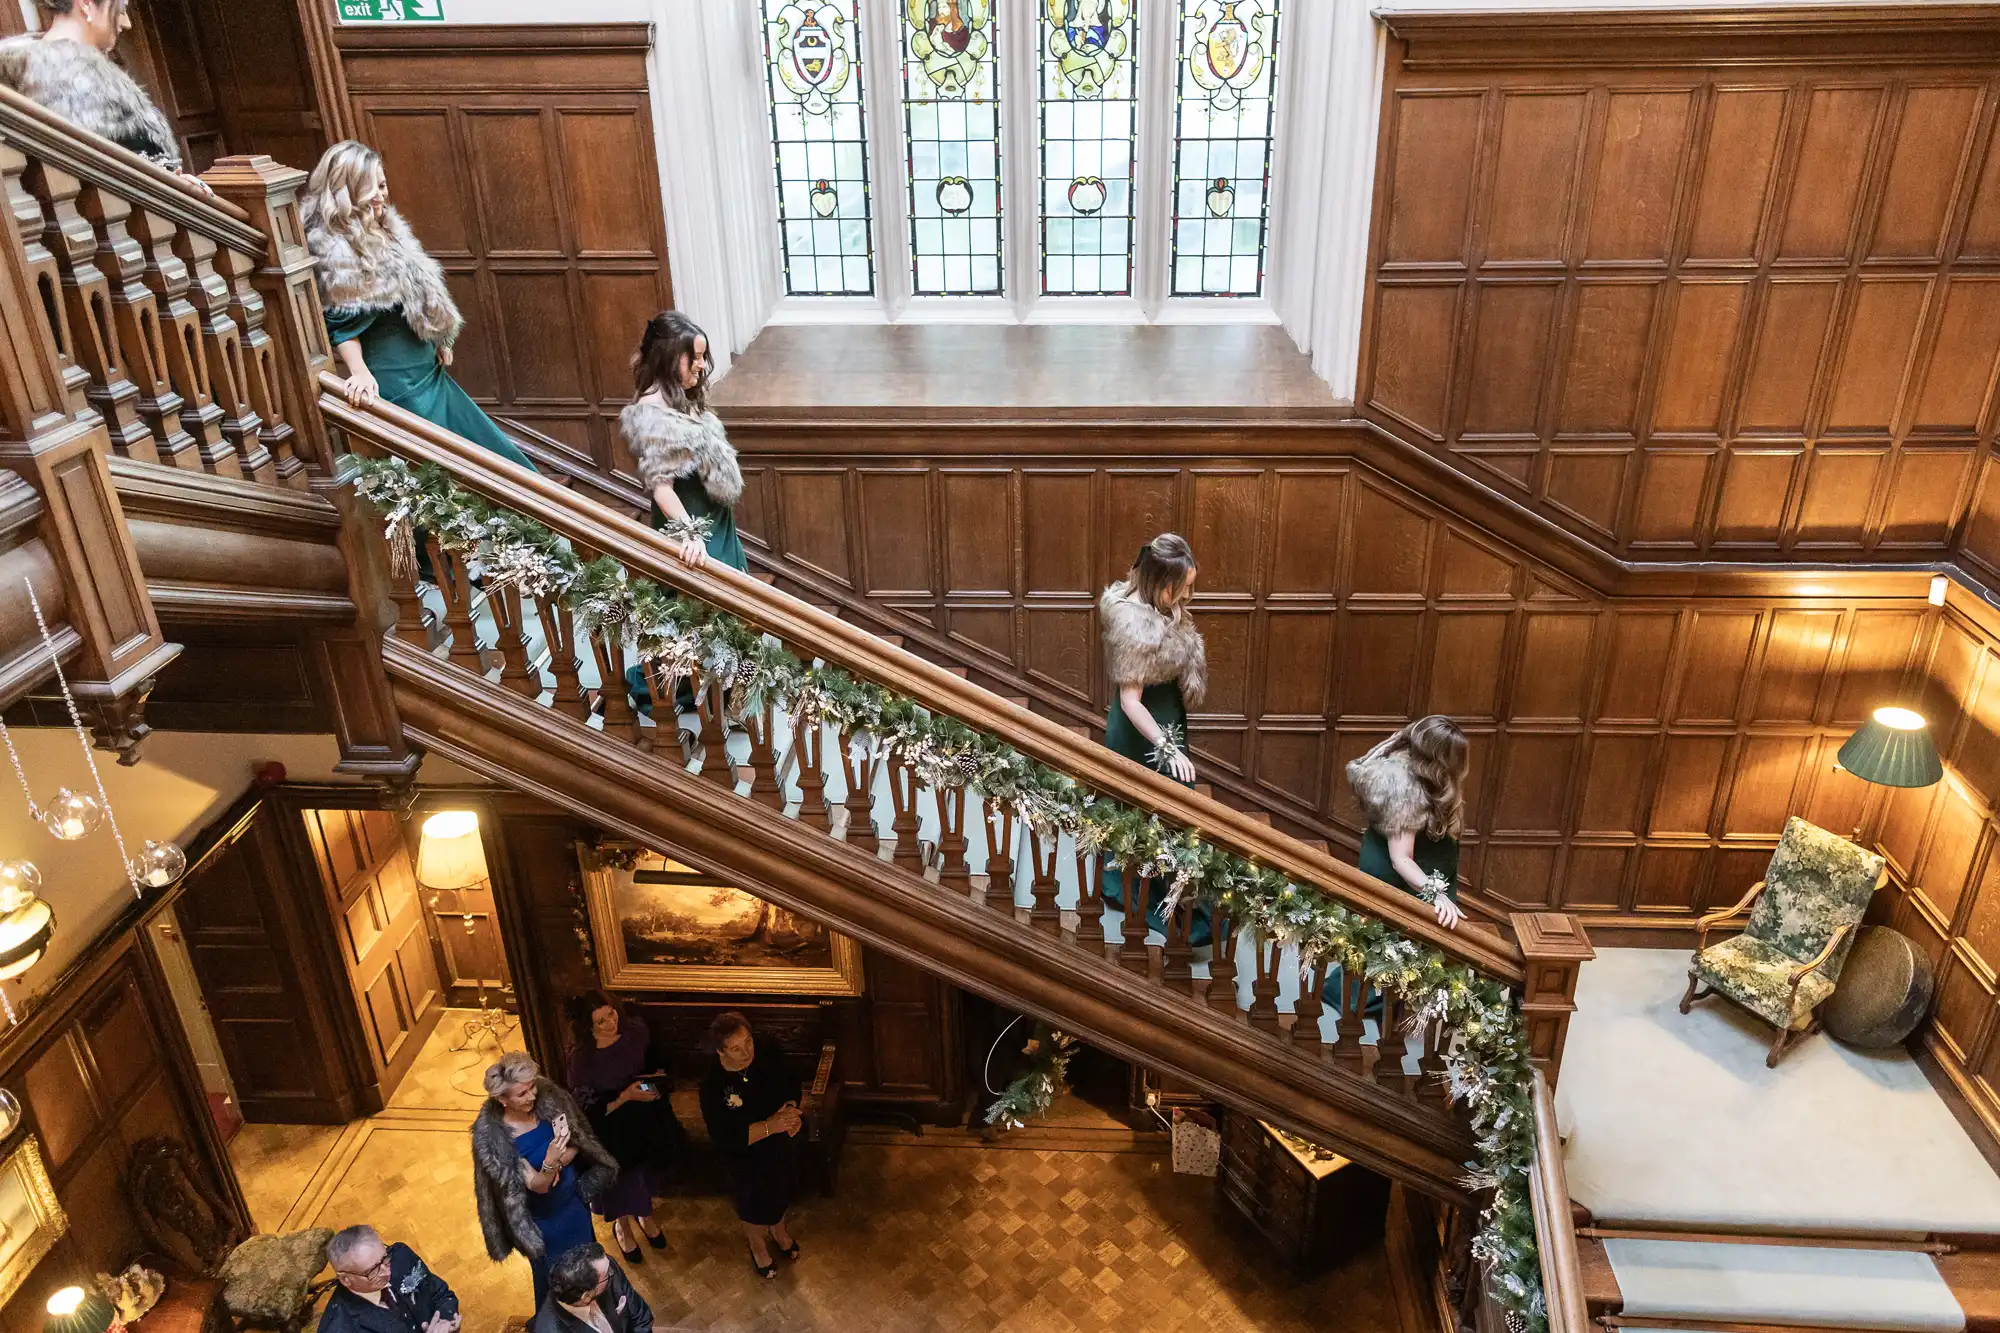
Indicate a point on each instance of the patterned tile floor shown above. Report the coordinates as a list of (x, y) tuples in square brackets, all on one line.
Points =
[(937, 1233)]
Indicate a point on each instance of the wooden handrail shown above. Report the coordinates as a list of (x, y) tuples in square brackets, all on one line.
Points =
[(95, 160), (1555, 1233), (648, 553)]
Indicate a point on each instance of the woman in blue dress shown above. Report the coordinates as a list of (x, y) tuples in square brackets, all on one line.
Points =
[(536, 1166)]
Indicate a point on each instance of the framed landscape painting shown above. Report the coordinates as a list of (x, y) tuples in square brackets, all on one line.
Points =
[(658, 925), (31, 1220)]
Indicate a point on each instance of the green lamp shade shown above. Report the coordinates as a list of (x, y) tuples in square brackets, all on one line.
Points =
[(77, 1310), (1893, 749)]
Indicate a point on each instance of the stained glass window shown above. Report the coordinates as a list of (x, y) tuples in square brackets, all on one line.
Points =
[(1089, 89), (951, 123), (1222, 146), (811, 59)]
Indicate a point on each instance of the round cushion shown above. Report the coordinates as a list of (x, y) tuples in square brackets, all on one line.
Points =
[(1884, 990)]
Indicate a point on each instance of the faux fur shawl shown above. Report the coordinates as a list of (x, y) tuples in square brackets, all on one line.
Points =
[(497, 1186), (1390, 794), (383, 270), (670, 445), (82, 85), (1143, 647)]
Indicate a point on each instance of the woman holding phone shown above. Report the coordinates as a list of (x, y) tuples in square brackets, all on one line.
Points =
[(626, 1100), (536, 1164)]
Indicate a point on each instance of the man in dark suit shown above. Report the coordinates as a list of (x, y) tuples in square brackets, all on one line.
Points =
[(384, 1288), (590, 1294)]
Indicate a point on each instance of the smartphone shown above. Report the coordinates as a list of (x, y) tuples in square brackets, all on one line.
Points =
[(645, 1086)]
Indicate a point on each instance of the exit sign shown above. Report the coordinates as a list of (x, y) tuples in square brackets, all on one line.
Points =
[(391, 11)]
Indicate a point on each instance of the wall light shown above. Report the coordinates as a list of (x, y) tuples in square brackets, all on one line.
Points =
[(451, 855), (74, 1310)]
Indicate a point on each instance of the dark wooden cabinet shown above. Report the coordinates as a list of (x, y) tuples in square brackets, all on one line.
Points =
[(1312, 1210)]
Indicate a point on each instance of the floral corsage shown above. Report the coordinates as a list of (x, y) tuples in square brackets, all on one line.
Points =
[(689, 529), (1173, 743), (1435, 886), (733, 1100)]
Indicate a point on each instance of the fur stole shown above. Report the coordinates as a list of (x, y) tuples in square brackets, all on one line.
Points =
[(497, 1187), (1143, 647), (1391, 796), (82, 85), (670, 445), (381, 270)]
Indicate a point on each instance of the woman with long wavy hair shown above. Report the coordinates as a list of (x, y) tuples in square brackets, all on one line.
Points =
[(1411, 788), (388, 314)]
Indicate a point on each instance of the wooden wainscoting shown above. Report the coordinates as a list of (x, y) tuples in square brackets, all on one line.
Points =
[(1634, 757), (1691, 285), (1943, 847), (523, 158), (100, 1065)]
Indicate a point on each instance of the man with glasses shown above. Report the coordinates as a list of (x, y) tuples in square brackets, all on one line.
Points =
[(384, 1288), (588, 1293)]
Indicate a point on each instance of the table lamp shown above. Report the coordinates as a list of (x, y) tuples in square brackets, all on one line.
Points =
[(74, 1310), (452, 856), (1893, 749)]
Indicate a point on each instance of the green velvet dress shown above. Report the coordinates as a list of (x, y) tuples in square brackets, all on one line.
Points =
[(724, 548), (1433, 855), (1164, 702), (407, 374)]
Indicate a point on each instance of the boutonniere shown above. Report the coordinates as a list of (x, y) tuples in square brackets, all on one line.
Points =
[(733, 1100), (412, 1279)]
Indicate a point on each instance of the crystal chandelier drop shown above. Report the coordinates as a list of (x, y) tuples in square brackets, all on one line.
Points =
[(25, 920)]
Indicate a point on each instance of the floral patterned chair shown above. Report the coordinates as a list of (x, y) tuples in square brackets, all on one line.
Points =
[(1785, 964)]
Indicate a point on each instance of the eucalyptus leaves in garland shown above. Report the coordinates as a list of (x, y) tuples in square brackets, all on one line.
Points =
[(1487, 1067)]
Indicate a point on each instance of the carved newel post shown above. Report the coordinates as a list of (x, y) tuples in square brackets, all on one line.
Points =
[(1555, 949), (94, 589), (275, 303)]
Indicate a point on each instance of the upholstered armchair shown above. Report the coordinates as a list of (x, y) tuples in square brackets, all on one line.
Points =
[(1787, 961)]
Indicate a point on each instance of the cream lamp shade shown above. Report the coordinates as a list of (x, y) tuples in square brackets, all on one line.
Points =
[(450, 856)]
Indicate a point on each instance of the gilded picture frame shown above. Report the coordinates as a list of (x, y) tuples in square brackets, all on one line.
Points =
[(657, 925), (31, 1217)]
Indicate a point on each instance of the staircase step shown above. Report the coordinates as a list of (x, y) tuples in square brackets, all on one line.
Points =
[(963, 673), (1020, 701), (764, 576), (893, 640), (1258, 817), (1204, 789), (1078, 728), (1792, 1286), (1318, 845)]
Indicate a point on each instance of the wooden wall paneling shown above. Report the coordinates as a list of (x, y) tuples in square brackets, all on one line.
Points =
[(1633, 757), (551, 231), (1638, 284)]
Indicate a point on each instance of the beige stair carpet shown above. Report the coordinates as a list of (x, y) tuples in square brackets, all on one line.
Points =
[(1793, 1285)]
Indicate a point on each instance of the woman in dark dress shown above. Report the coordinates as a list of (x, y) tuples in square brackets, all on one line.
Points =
[(685, 458), (751, 1106), (1411, 790), (626, 1101), (390, 319), (1157, 665)]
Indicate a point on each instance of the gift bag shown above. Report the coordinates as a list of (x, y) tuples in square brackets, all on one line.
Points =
[(1197, 1145)]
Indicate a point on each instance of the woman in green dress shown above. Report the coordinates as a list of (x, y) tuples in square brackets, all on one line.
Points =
[(1411, 790), (1157, 665), (685, 458), (388, 314)]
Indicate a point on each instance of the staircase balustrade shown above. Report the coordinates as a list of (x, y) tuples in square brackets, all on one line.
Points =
[(817, 779)]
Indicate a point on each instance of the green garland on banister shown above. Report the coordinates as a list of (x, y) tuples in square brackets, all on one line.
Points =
[(1487, 1068)]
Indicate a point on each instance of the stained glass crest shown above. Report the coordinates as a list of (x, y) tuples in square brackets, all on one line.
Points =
[(1089, 143), (951, 116), (1222, 146), (819, 139)]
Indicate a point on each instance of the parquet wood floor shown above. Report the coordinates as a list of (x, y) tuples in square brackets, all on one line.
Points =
[(927, 1234)]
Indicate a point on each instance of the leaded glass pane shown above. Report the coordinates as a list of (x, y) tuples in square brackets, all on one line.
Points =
[(820, 142), (1090, 152), (1222, 145), (951, 132)]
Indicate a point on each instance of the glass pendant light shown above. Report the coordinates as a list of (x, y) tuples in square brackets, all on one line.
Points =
[(72, 815), (159, 864)]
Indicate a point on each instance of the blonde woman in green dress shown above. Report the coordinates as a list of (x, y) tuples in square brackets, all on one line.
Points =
[(388, 314)]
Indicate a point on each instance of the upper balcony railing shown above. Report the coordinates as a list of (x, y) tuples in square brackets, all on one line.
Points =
[(189, 325)]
